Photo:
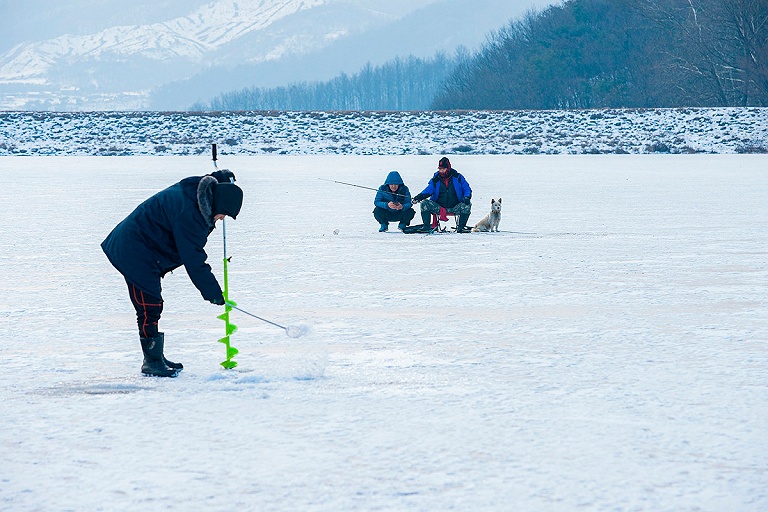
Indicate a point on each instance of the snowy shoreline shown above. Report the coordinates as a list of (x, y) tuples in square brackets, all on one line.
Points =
[(571, 132)]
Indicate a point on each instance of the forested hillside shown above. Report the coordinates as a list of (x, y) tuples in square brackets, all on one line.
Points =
[(621, 53), (578, 54)]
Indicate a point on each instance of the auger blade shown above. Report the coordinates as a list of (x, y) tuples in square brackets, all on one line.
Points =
[(229, 327)]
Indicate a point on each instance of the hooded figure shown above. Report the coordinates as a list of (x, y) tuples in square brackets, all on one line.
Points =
[(166, 231), (393, 203)]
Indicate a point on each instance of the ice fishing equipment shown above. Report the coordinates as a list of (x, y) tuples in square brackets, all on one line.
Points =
[(359, 186), (293, 331), (229, 327)]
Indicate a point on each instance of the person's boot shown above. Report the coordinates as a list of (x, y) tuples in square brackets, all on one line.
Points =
[(154, 363), (426, 221), (402, 225), (462, 226), (384, 227), (170, 364)]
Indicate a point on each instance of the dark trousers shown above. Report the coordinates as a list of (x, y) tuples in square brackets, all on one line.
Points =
[(385, 216), (148, 310)]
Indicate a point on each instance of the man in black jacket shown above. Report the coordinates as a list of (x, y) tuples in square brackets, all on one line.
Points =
[(166, 231)]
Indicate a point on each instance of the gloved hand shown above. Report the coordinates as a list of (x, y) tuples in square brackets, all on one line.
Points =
[(418, 198), (466, 200), (219, 301), (223, 176)]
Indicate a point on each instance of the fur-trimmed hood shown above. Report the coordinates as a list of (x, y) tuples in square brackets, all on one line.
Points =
[(205, 198)]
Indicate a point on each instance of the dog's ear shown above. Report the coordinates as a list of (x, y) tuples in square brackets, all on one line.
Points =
[(499, 199)]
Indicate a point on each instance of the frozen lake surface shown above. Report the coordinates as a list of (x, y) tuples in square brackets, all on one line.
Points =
[(607, 351)]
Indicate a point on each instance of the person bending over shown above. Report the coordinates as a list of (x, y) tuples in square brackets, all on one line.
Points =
[(166, 231)]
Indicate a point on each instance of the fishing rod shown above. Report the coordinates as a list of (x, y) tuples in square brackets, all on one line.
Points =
[(361, 186)]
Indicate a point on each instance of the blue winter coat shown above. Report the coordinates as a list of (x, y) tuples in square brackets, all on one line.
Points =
[(384, 196), (164, 232), (460, 185)]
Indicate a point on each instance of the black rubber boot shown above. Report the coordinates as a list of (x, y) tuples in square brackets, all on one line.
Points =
[(154, 363), (426, 219), (170, 364), (462, 226)]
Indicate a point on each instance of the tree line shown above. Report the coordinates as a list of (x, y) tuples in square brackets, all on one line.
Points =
[(578, 54), (402, 84)]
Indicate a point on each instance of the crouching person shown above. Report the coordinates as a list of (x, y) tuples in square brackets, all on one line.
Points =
[(393, 203), (446, 192), (166, 231)]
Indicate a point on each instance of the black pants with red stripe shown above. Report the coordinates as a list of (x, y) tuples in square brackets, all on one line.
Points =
[(148, 310)]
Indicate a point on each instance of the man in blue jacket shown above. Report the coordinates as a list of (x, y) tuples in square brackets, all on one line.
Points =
[(166, 231), (446, 192), (393, 203)]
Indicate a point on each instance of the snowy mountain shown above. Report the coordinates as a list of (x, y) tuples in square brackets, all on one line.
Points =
[(141, 57), (219, 45), (193, 37)]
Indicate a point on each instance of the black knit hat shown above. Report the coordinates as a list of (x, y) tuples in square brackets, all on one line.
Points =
[(227, 199), (444, 163)]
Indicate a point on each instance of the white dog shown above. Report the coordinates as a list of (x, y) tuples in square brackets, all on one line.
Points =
[(491, 221)]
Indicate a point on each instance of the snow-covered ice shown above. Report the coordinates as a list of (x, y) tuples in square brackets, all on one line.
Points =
[(607, 351)]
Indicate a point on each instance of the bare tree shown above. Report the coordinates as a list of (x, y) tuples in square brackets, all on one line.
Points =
[(716, 49)]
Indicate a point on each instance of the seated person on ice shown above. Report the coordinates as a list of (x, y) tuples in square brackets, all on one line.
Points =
[(166, 231), (447, 192), (393, 203)]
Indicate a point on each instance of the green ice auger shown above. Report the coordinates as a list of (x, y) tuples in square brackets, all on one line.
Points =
[(229, 327)]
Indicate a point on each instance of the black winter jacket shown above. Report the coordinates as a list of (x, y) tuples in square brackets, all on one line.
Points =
[(166, 231)]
